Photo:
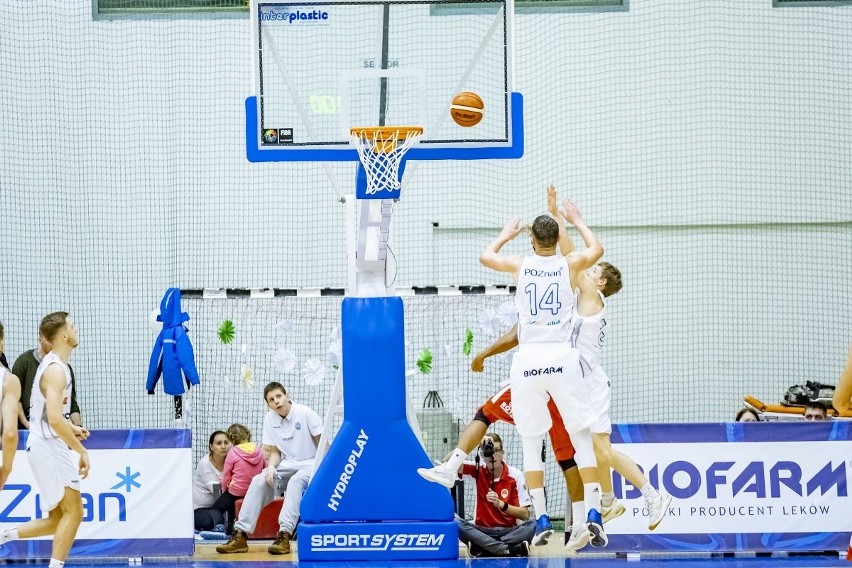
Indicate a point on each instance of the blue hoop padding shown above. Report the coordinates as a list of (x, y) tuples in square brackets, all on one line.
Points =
[(345, 153), (368, 480)]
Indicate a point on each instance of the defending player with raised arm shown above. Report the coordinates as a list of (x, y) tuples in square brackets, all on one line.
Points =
[(11, 394), (49, 444), (588, 333), (546, 365)]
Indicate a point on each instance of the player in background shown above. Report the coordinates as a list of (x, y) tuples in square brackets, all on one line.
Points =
[(52, 437), (842, 400), (498, 408), (545, 365), (588, 333), (11, 394)]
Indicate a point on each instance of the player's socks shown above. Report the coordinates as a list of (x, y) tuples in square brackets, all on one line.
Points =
[(539, 502), (648, 492), (456, 460), (592, 497), (578, 514), (9, 534), (607, 498)]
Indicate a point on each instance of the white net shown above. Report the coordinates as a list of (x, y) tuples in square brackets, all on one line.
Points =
[(707, 143), (381, 150)]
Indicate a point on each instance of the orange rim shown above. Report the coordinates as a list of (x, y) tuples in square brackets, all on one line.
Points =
[(385, 138), (387, 132)]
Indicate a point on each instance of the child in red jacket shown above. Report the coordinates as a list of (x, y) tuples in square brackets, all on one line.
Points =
[(243, 462)]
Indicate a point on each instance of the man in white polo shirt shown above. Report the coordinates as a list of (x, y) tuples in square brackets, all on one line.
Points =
[(291, 434)]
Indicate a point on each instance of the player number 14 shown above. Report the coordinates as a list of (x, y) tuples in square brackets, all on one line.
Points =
[(548, 301)]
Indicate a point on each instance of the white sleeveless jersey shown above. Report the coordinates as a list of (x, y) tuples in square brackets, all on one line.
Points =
[(38, 412), (544, 299), (588, 334)]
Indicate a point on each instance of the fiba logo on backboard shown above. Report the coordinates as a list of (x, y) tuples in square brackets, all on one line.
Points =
[(294, 16), (278, 136)]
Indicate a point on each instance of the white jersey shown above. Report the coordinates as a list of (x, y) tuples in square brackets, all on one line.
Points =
[(588, 334), (544, 300), (38, 412)]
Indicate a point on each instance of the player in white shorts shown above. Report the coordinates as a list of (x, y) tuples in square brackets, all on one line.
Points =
[(546, 365), (52, 437), (588, 334), (11, 395)]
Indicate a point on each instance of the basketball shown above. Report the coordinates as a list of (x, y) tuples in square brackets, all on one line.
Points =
[(467, 109)]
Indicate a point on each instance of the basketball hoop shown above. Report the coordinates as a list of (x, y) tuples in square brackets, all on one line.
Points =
[(381, 149)]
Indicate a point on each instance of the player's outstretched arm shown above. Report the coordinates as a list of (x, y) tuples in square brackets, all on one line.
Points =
[(842, 400), (583, 259), (492, 258), (9, 412), (566, 245), (505, 342)]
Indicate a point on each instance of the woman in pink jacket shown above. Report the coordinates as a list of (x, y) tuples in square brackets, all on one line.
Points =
[(243, 462)]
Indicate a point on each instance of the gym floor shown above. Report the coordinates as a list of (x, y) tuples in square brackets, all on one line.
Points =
[(551, 555)]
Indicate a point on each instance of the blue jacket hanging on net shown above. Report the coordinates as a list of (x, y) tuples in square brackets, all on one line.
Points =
[(172, 356)]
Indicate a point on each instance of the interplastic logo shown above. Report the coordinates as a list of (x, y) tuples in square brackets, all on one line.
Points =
[(296, 17)]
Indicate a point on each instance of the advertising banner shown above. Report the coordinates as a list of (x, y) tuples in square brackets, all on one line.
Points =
[(735, 487), (137, 499)]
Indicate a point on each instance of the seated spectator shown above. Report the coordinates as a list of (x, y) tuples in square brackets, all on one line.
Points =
[(815, 410), (502, 526), (747, 415), (244, 461), (206, 481), (291, 435)]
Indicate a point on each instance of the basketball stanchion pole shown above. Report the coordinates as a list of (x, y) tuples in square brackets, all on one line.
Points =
[(366, 500)]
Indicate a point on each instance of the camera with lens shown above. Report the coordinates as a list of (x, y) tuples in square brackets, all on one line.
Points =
[(487, 448)]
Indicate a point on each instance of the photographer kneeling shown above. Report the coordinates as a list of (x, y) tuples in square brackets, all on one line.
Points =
[(502, 525)]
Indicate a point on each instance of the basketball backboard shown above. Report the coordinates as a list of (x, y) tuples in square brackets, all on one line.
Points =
[(322, 68)]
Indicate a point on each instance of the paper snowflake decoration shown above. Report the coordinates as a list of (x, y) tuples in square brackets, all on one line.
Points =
[(507, 314), (285, 360), (247, 376), (335, 351), (313, 372), (489, 321)]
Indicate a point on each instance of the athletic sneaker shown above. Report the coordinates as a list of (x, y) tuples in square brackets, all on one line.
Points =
[(597, 534), (657, 509), (580, 536), (543, 530), (439, 474), (615, 510), (520, 550), (213, 535), (473, 551)]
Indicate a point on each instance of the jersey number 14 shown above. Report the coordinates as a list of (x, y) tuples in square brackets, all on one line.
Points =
[(547, 301)]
